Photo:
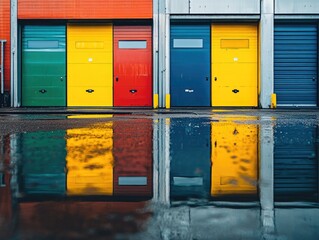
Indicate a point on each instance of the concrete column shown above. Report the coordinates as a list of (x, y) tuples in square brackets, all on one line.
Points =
[(266, 181), (167, 57), (163, 48), (266, 53), (161, 54), (14, 53), (2, 43), (155, 52)]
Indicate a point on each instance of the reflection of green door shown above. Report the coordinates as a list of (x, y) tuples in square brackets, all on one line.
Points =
[(43, 66), (43, 163)]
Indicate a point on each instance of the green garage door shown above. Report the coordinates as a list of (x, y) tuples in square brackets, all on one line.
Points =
[(43, 66)]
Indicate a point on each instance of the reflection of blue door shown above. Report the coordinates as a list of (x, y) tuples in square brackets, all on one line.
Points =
[(296, 163), (190, 164), (190, 65)]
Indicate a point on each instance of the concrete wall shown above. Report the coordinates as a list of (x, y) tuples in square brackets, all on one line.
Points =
[(296, 6), (215, 7)]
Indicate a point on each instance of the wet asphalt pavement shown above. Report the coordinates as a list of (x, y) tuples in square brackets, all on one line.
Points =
[(159, 174)]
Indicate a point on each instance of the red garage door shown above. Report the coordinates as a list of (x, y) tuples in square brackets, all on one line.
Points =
[(133, 66)]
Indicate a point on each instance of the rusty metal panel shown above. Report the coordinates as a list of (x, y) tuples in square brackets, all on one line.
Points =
[(5, 35), (224, 7), (85, 9), (297, 6), (179, 6)]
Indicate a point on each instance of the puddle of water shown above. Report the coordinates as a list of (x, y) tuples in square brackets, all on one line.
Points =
[(170, 178)]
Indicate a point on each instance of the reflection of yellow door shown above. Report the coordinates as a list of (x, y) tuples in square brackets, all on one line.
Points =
[(90, 160), (90, 65), (234, 65), (234, 159)]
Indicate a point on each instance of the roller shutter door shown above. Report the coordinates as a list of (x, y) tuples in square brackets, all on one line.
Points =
[(296, 64)]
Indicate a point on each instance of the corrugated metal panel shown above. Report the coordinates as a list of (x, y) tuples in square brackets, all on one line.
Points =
[(133, 158), (234, 65), (296, 6), (132, 66), (190, 154), (225, 7), (85, 9), (5, 35), (296, 163), (296, 64), (43, 65), (43, 163), (190, 65)]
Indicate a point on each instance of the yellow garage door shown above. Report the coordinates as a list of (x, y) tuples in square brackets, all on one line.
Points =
[(234, 159), (234, 65), (90, 65), (90, 160)]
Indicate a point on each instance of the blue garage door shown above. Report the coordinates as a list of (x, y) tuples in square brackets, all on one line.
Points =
[(296, 62), (190, 66)]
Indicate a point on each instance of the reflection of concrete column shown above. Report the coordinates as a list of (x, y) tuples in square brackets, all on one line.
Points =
[(266, 182), (161, 224), (1, 153), (14, 163), (161, 167), (164, 161)]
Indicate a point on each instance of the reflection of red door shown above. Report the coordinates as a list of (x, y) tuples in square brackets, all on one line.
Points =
[(133, 158), (132, 66)]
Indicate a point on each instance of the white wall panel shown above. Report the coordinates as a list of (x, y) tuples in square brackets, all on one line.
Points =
[(178, 6), (296, 6), (224, 6)]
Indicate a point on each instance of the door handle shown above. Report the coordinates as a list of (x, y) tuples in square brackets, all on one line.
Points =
[(207, 78), (89, 90), (61, 79), (42, 91), (235, 91), (117, 79), (133, 90), (215, 78), (313, 79), (189, 90)]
